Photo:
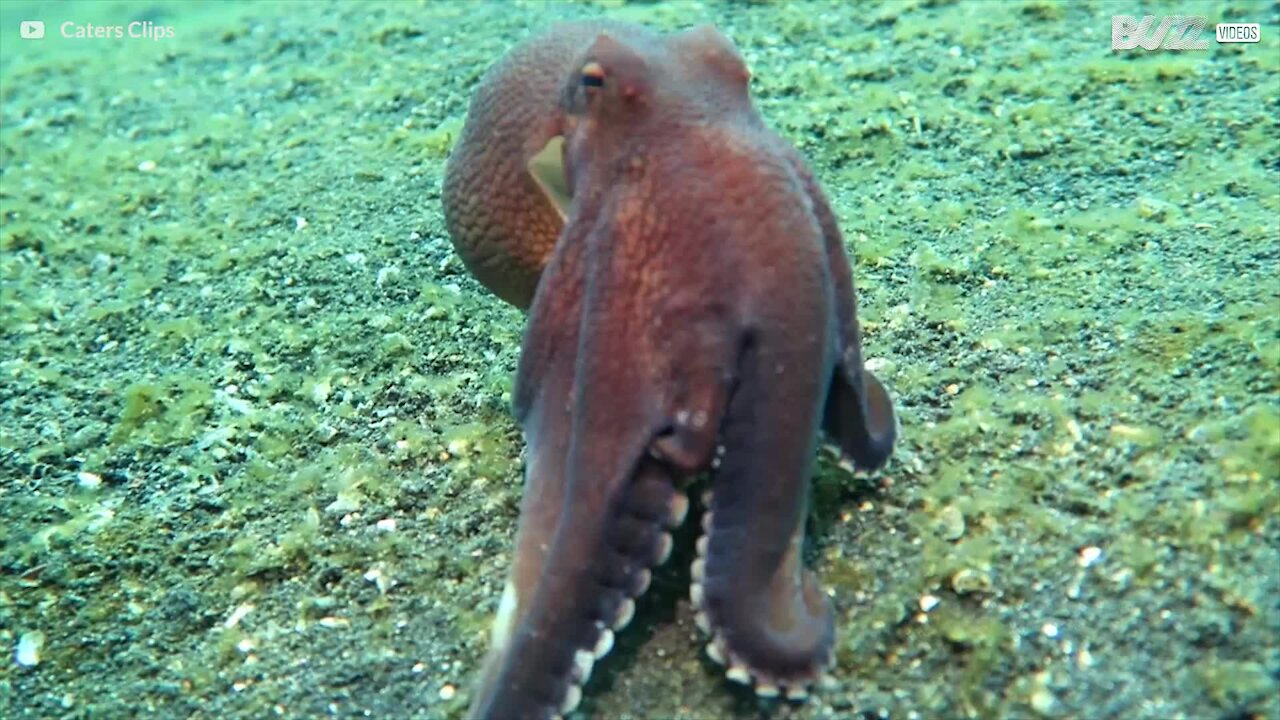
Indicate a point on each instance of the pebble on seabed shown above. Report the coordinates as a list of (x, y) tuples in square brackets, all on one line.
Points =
[(27, 653), (1089, 555), (951, 523)]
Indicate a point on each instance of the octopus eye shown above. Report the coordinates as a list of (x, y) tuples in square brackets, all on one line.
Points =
[(592, 75)]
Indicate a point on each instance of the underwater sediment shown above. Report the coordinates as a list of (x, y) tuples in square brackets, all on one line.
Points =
[(257, 455)]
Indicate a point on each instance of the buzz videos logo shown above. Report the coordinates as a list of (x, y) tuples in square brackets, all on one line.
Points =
[(31, 29), (1175, 32)]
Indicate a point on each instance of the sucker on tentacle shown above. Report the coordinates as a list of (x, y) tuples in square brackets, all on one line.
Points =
[(717, 648), (584, 659)]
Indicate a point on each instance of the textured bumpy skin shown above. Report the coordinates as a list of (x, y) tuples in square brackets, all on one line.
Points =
[(502, 226), (696, 314)]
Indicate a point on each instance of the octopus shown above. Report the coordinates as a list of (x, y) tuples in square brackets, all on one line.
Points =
[(691, 318)]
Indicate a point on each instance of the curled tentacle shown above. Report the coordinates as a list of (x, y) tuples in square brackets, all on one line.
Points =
[(769, 620)]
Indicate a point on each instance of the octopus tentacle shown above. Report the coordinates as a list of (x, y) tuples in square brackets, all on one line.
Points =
[(595, 516), (859, 415), (769, 620), (583, 597)]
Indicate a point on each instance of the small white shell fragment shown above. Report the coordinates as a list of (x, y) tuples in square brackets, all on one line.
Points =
[(320, 391), (377, 576), (447, 692), (386, 525), (928, 602), (88, 480), (1049, 629), (1089, 555), (27, 654), (387, 274), (237, 615), (147, 166), (1043, 701)]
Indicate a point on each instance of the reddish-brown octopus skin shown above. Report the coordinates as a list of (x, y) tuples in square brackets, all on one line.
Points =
[(696, 314), (501, 224)]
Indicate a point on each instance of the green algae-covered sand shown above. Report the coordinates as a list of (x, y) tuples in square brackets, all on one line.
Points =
[(257, 458)]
